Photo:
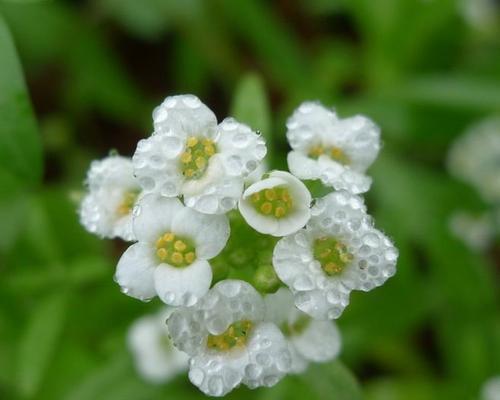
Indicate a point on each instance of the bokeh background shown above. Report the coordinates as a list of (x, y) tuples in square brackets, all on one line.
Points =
[(80, 78)]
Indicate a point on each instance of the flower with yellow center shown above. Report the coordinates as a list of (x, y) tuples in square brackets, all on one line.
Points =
[(339, 251), (106, 209), (228, 340), (192, 156), (170, 259), (336, 151), (277, 205)]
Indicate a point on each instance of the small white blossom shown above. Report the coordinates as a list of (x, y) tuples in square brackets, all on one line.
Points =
[(476, 231), (337, 151), (474, 158), (170, 257), (190, 155), (229, 341), (491, 389), (309, 340), (338, 251), (106, 210), (155, 357), (277, 205)]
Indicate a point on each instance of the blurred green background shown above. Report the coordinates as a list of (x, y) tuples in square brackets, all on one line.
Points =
[(78, 78)]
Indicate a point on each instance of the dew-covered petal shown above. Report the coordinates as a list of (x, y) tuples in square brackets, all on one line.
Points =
[(216, 374), (135, 270), (269, 356), (156, 163), (154, 215), (242, 149), (179, 286), (308, 124), (184, 114)]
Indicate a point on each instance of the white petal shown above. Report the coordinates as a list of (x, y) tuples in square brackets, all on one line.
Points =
[(209, 232), (302, 166), (155, 358), (343, 178), (256, 220), (320, 341), (320, 304), (94, 218), (184, 113), (216, 374), (361, 140), (115, 171), (183, 286), (269, 357), (308, 124), (123, 228), (156, 163), (241, 148), (135, 270), (154, 215)]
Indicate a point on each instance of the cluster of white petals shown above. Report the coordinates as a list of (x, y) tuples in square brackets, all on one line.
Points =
[(106, 209), (256, 355), (337, 151), (190, 155), (474, 158), (175, 199), (338, 251), (155, 357)]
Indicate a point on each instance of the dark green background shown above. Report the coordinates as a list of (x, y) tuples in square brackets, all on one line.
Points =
[(91, 73)]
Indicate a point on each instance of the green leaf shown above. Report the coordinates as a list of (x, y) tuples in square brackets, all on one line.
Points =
[(20, 147), (39, 341), (251, 106)]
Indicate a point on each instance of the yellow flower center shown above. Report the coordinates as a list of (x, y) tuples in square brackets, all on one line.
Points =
[(234, 336), (194, 159), (275, 202), (175, 250), (127, 203), (332, 255), (335, 153)]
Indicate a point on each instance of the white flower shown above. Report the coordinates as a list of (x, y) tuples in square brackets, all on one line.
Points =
[(491, 389), (229, 341), (155, 358), (106, 210), (170, 257), (278, 205), (337, 151), (190, 155), (476, 231), (474, 158), (309, 340), (339, 251)]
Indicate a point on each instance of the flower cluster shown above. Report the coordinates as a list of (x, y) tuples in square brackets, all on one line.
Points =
[(254, 266)]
